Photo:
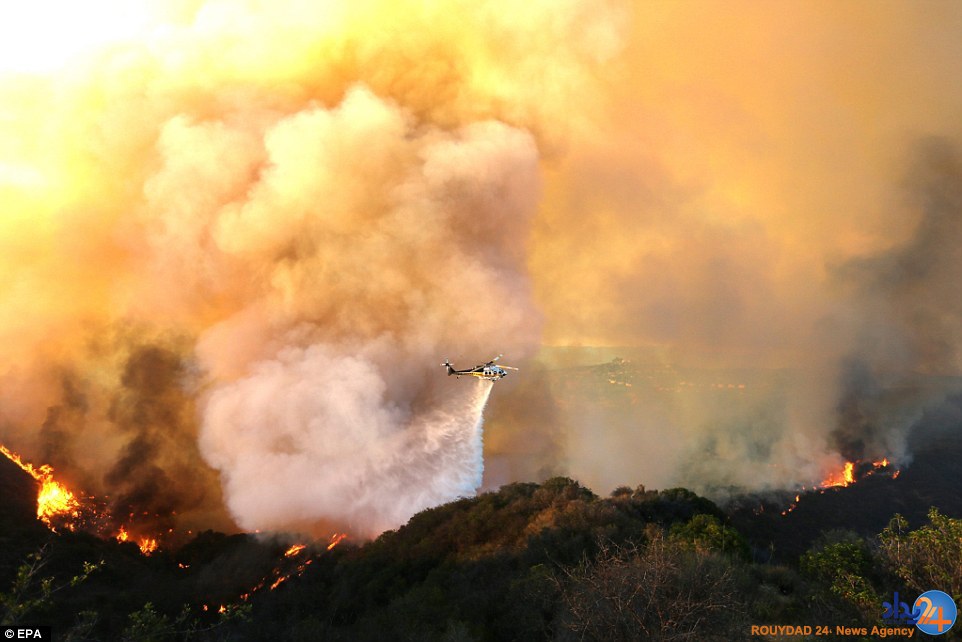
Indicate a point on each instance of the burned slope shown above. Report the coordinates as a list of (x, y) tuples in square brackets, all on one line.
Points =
[(486, 565), (932, 479), (69, 579)]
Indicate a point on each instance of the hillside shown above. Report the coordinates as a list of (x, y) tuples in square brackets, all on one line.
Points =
[(530, 561)]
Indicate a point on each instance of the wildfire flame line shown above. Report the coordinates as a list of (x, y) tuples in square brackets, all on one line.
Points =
[(54, 499), (279, 575), (843, 478), (338, 537)]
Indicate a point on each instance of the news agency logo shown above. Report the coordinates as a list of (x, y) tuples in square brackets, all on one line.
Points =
[(933, 612), (937, 612), (899, 611)]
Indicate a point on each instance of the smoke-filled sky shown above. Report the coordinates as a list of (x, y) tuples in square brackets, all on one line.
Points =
[(237, 239)]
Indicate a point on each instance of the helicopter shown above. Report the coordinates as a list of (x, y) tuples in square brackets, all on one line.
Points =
[(487, 371)]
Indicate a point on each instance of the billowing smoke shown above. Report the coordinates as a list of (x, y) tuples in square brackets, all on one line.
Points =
[(911, 326), (235, 252), (350, 457), (240, 247), (395, 247), (767, 224)]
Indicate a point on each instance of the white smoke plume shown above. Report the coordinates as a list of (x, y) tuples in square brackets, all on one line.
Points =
[(319, 428), (385, 246), (297, 210)]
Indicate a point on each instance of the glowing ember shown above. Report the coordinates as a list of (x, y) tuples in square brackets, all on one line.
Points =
[(294, 550), (792, 506), (843, 478), (338, 537), (54, 499)]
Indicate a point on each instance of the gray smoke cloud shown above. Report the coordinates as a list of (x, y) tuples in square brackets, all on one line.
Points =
[(879, 346), (910, 298), (758, 228)]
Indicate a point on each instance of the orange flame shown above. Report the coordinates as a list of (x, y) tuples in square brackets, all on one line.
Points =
[(843, 478), (147, 545), (280, 575), (54, 498), (793, 505)]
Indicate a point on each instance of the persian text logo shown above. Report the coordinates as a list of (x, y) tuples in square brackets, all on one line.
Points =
[(899, 611), (936, 612)]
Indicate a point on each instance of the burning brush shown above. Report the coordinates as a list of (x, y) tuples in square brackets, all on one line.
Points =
[(293, 564), (55, 502), (60, 508), (850, 473)]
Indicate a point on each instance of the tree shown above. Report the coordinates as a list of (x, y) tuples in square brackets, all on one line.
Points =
[(707, 533), (147, 625), (845, 567), (31, 593), (664, 591), (927, 558)]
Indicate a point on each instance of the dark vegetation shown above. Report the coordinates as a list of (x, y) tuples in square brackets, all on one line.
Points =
[(528, 562)]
